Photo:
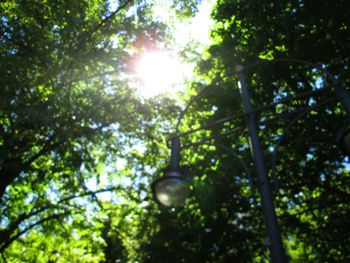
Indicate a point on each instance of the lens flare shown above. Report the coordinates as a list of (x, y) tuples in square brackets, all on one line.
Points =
[(159, 72)]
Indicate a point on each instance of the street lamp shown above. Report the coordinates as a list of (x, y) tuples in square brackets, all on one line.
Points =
[(174, 187), (176, 183)]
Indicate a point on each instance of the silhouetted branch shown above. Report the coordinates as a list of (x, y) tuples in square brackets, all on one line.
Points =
[(6, 234), (10, 240), (112, 15)]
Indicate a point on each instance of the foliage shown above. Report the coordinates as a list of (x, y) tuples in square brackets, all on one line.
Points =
[(308, 172), (79, 148), (70, 123)]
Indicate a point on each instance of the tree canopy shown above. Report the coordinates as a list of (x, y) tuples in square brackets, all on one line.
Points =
[(307, 169), (66, 112), (79, 148)]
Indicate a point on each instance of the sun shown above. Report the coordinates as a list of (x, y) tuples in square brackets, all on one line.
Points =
[(159, 72)]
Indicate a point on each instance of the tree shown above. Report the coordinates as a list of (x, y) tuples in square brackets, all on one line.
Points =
[(78, 148), (311, 174), (65, 112)]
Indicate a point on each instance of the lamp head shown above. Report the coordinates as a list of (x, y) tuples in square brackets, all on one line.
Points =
[(172, 189), (343, 139)]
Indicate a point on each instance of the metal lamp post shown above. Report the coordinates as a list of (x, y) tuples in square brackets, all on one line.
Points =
[(175, 183), (276, 247)]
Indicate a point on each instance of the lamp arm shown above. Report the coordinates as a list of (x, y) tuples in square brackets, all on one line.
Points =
[(255, 110), (340, 91), (243, 163), (184, 111), (285, 131), (193, 99), (292, 60)]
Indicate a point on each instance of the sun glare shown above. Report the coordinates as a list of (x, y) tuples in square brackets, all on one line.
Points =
[(159, 72)]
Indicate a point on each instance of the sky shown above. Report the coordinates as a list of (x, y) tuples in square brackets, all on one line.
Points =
[(165, 72), (196, 28)]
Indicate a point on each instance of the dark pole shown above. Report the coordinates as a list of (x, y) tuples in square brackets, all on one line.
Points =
[(276, 246), (175, 154), (344, 98)]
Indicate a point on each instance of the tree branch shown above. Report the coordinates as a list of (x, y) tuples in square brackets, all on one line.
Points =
[(10, 240), (6, 234), (107, 19), (47, 147)]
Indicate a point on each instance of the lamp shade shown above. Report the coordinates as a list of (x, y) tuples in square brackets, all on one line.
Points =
[(172, 189), (346, 142), (343, 139)]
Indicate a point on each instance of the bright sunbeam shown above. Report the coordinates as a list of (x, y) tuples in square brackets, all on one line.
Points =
[(159, 72)]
